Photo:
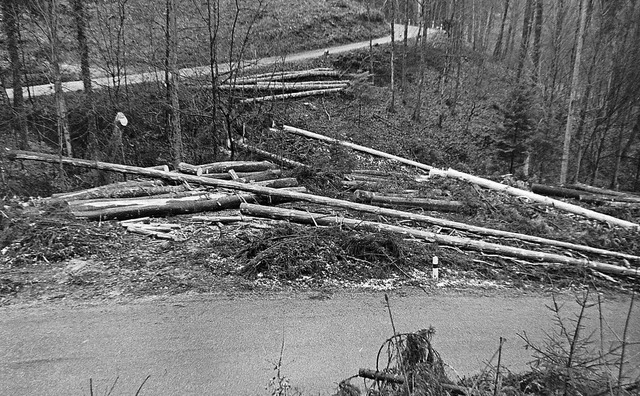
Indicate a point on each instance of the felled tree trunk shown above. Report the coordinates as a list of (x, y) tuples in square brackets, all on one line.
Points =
[(121, 190), (270, 174), (292, 95), (127, 209), (276, 159), (238, 166), (537, 198), (424, 203), (463, 243)]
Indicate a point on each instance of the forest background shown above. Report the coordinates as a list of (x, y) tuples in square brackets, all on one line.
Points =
[(546, 90)]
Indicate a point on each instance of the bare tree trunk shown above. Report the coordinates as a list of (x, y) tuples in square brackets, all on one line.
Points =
[(497, 52), (83, 47), (10, 13), (537, 34), (50, 14), (417, 111), (174, 129), (526, 33), (575, 81), (392, 106), (213, 23), (405, 48)]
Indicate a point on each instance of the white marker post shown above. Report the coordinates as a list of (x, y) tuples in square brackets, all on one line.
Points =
[(435, 268)]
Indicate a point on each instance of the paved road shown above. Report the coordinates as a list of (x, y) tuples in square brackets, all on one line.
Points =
[(220, 346), (155, 75)]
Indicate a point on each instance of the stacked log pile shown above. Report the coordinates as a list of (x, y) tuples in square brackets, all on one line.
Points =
[(142, 198), (290, 84)]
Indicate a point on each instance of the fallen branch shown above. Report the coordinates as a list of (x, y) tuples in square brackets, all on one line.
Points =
[(464, 243), (291, 95), (400, 379), (294, 195)]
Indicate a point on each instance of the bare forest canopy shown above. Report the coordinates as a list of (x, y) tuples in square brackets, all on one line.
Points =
[(543, 89)]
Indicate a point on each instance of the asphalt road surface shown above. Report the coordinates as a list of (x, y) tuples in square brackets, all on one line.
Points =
[(209, 345)]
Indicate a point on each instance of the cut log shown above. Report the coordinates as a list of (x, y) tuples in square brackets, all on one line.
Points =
[(238, 166), (536, 198), (284, 87), (292, 95), (463, 243), (551, 191), (270, 174), (222, 219), (353, 146), (597, 199), (294, 195), (277, 159), (594, 190), (116, 190), (440, 205), (190, 169), (170, 207), (160, 167), (279, 183), (292, 75)]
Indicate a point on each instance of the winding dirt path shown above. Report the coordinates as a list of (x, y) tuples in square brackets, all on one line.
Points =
[(220, 345), (157, 75)]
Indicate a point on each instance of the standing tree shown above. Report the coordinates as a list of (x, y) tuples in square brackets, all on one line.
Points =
[(575, 81), (48, 13), (85, 71), (497, 52), (10, 13), (392, 106), (173, 126), (526, 33)]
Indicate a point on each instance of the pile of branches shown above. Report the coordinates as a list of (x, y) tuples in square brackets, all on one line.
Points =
[(290, 252), (58, 236)]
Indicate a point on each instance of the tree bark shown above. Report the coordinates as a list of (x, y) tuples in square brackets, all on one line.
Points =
[(463, 243), (250, 187), (575, 82)]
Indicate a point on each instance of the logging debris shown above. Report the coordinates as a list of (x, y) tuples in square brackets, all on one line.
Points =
[(270, 253)]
